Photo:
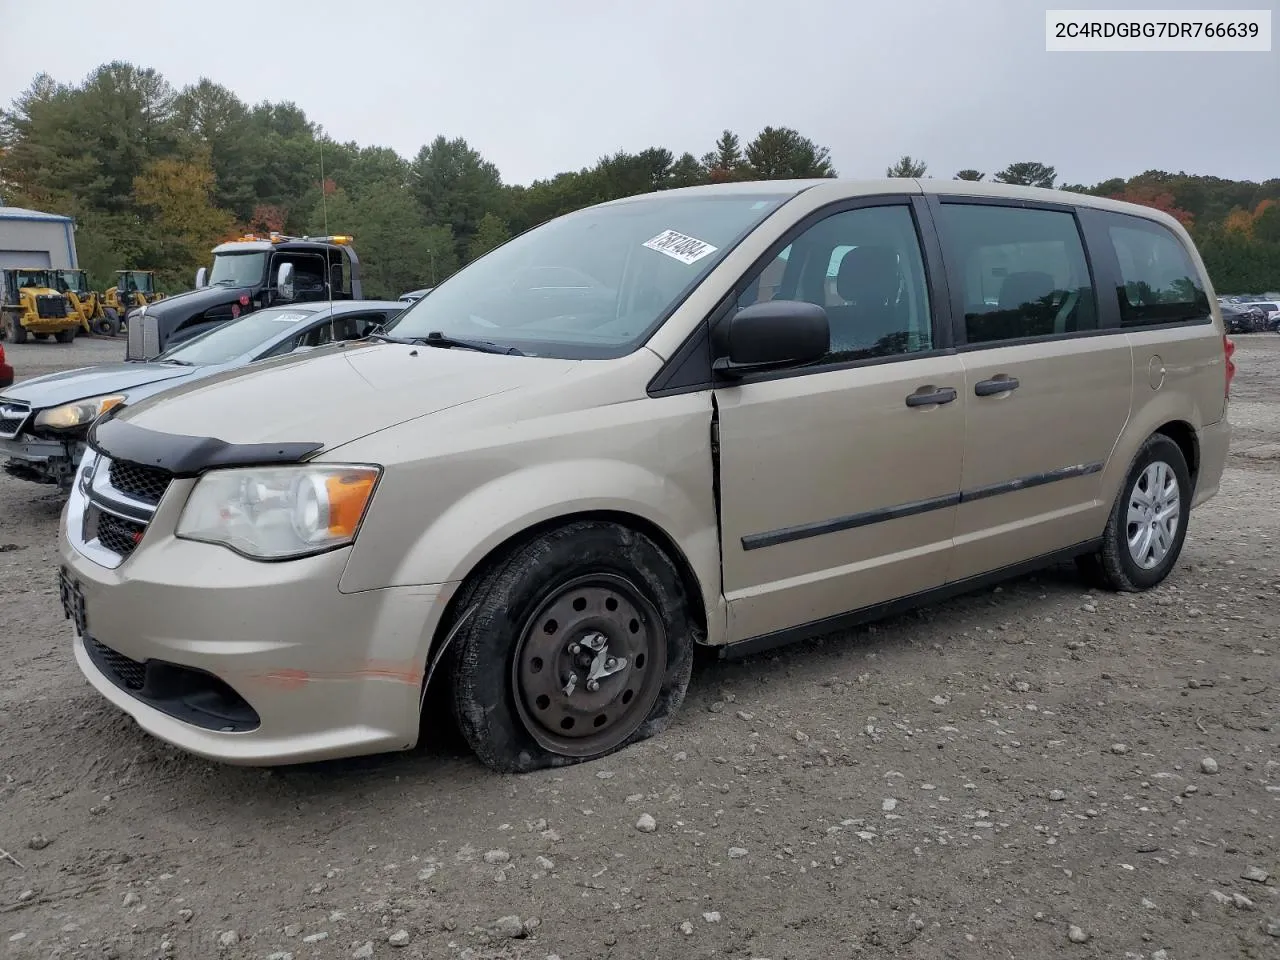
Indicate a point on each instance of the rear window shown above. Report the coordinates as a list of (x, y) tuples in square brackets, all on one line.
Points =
[(1159, 283)]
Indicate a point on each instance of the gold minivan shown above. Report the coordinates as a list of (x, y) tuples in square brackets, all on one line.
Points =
[(729, 416)]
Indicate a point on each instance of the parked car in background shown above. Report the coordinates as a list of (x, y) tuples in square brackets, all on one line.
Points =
[(1271, 310), (553, 484), (6, 371), (1243, 318), (415, 295), (44, 420)]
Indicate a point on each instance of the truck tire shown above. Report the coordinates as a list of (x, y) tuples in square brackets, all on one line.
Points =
[(66, 336), (19, 331)]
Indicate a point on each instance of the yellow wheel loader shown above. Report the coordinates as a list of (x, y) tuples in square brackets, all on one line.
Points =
[(95, 316), (134, 288), (32, 306)]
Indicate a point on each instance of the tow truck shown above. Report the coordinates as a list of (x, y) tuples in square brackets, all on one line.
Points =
[(248, 273)]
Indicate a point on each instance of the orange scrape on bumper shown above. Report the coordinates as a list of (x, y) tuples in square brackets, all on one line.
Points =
[(285, 679)]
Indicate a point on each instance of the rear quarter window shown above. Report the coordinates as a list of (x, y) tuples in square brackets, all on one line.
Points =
[(1158, 282)]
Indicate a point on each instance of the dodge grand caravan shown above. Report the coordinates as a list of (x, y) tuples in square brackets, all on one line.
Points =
[(742, 415)]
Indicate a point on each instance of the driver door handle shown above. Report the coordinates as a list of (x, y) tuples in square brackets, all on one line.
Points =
[(931, 396)]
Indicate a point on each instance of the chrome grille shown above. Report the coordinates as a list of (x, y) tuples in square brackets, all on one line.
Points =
[(13, 414), (111, 505), (133, 342), (139, 481)]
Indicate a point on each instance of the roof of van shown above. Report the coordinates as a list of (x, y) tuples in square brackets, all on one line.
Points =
[(927, 185)]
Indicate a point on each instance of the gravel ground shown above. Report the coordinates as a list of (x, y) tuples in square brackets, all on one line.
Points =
[(1032, 771)]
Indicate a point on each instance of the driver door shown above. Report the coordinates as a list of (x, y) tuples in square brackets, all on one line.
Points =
[(839, 481)]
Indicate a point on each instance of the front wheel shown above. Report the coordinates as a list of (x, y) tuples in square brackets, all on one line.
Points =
[(19, 331), (107, 325), (1148, 523), (66, 336), (581, 642)]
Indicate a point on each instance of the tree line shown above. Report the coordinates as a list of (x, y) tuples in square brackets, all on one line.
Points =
[(155, 176)]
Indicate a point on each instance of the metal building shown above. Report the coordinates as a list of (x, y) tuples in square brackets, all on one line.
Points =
[(29, 238)]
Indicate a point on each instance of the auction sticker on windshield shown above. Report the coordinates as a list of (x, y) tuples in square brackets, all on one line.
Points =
[(289, 317), (679, 247)]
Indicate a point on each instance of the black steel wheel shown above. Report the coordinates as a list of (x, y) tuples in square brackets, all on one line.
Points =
[(579, 643), (588, 665)]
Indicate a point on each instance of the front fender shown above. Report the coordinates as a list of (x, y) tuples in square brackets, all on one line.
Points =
[(455, 542)]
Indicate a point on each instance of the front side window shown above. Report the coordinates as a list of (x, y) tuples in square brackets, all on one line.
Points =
[(1022, 272), (595, 283), (238, 269), (236, 338), (1158, 284), (864, 266)]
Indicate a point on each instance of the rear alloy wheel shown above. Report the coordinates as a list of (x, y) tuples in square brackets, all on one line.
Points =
[(580, 643), (1148, 523)]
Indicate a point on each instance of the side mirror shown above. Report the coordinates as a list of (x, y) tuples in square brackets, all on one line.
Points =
[(202, 278), (772, 335), (284, 281)]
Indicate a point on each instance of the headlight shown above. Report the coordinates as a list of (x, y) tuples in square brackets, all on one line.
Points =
[(278, 513), (78, 414)]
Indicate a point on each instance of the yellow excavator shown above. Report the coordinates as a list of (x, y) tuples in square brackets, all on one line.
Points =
[(95, 316), (32, 306), (134, 288)]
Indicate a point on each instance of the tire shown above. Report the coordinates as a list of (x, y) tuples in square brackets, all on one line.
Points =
[(19, 331), (1117, 565), (587, 595), (108, 325), (66, 336)]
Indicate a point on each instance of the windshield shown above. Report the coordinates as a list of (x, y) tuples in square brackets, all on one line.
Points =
[(592, 284), (72, 280), (251, 332), (239, 269), (33, 278)]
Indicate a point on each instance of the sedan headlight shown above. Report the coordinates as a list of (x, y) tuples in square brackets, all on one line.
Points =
[(279, 513), (78, 414)]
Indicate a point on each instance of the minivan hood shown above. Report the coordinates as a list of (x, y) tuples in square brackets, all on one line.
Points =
[(68, 386), (336, 394)]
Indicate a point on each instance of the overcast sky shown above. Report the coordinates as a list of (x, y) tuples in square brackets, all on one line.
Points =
[(541, 87)]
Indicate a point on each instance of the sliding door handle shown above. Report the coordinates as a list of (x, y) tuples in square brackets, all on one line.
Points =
[(989, 388), (931, 396)]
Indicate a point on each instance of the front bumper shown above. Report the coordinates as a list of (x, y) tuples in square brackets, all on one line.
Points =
[(322, 674), (43, 461)]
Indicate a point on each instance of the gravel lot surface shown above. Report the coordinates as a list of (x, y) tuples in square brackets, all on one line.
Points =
[(1034, 771)]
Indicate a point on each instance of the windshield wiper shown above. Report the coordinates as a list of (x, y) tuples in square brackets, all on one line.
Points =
[(384, 338), (437, 339)]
